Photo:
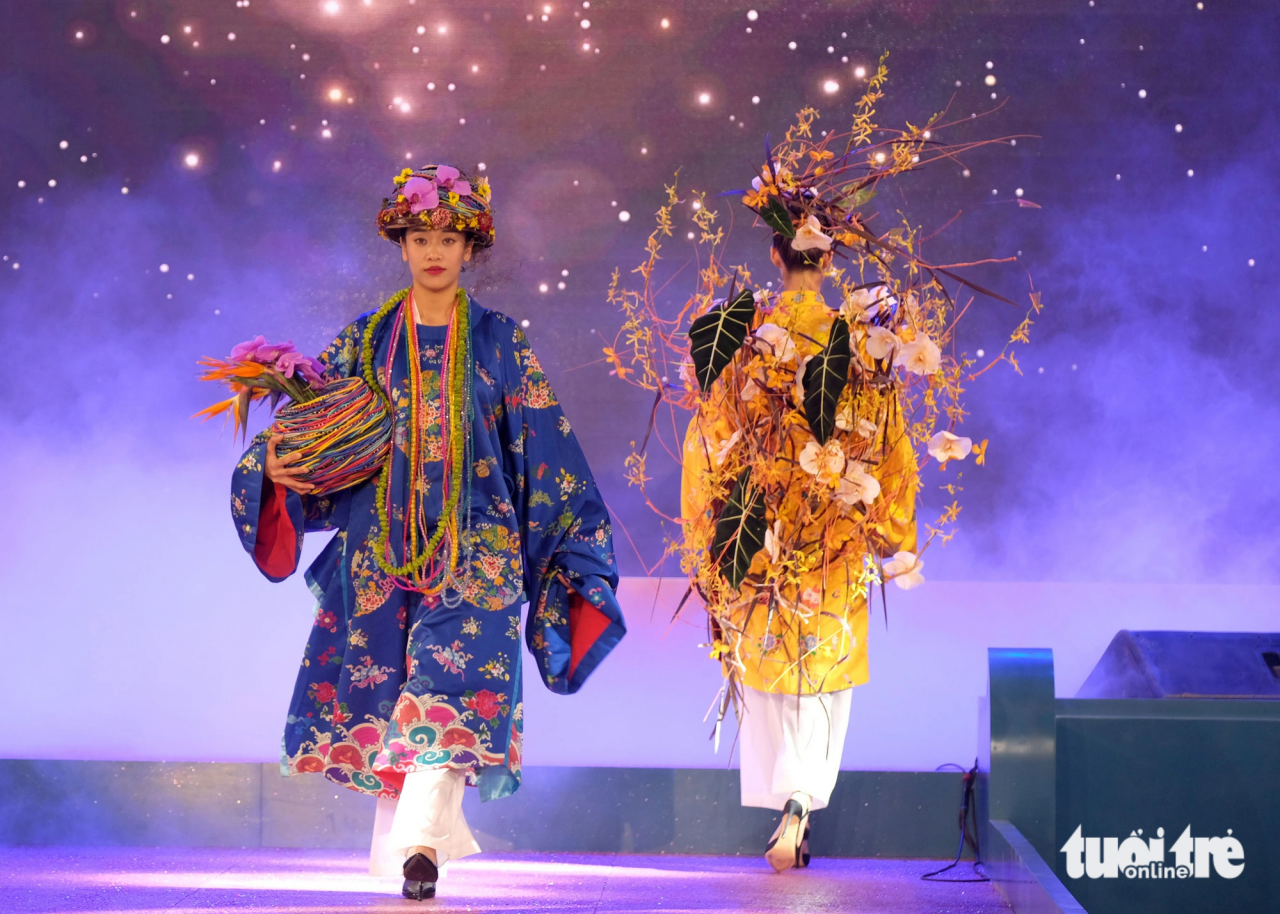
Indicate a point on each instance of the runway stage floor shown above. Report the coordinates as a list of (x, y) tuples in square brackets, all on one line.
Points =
[(191, 879)]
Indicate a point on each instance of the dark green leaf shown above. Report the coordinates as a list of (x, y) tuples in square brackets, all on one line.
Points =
[(824, 379), (715, 337), (776, 216), (740, 530)]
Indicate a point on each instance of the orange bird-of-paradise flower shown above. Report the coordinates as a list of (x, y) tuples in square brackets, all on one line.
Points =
[(217, 409), (237, 407), (220, 369)]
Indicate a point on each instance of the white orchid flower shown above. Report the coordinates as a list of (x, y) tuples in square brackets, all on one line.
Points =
[(809, 236), (882, 342), (920, 356), (844, 418), (857, 485), (750, 390), (865, 428), (773, 540), (773, 340), (945, 446), (725, 448), (871, 301), (861, 300), (826, 463), (905, 569), (800, 378)]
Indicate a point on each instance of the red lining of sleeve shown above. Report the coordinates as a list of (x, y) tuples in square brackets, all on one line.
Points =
[(277, 539), (586, 625)]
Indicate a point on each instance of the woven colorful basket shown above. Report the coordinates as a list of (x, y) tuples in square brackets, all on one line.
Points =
[(344, 435)]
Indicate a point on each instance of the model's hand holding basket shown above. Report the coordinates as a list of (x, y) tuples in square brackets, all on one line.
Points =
[(342, 429)]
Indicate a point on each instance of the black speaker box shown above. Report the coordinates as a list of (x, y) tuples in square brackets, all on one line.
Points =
[(1187, 665)]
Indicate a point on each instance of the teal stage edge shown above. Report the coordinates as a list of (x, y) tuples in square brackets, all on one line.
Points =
[(1022, 876), (888, 814), (1163, 805)]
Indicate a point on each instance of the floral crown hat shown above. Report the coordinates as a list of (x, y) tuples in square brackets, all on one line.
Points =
[(438, 197)]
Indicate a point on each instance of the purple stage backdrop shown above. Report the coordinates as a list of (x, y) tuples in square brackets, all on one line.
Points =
[(176, 176)]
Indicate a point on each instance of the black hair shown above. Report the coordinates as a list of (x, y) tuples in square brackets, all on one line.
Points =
[(796, 261)]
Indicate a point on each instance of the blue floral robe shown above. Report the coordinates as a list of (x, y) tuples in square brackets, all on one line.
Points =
[(391, 682)]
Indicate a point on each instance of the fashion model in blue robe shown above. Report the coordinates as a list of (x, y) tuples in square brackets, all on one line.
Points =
[(391, 681)]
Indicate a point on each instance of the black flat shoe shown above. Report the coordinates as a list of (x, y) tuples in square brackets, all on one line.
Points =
[(418, 890), (421, 868)]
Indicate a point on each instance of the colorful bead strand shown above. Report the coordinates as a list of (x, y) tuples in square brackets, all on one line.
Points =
[(433, 567)]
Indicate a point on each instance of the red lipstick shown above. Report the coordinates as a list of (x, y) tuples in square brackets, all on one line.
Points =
[(435, 271)]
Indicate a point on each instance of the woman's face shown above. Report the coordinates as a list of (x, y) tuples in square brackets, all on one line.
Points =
[(435, 257)]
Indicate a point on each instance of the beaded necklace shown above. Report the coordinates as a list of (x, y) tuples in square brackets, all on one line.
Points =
[(431, 568)]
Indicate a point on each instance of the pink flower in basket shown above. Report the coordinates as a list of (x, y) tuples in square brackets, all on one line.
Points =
[(260, 351), (289, 362)]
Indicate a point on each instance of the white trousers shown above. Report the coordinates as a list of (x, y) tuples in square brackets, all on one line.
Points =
[(427, 814), (790, 743)]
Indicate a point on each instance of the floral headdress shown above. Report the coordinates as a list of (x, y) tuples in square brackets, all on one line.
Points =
[(815, 206), (438, 197)]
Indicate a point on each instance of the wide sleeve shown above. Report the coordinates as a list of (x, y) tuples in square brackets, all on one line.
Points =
[(269, 518), (570, 574)]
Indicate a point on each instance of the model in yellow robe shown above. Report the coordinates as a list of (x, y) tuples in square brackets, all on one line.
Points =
[(798, 623)]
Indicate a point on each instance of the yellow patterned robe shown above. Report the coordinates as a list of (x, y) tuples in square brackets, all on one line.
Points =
[(798, 623)]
